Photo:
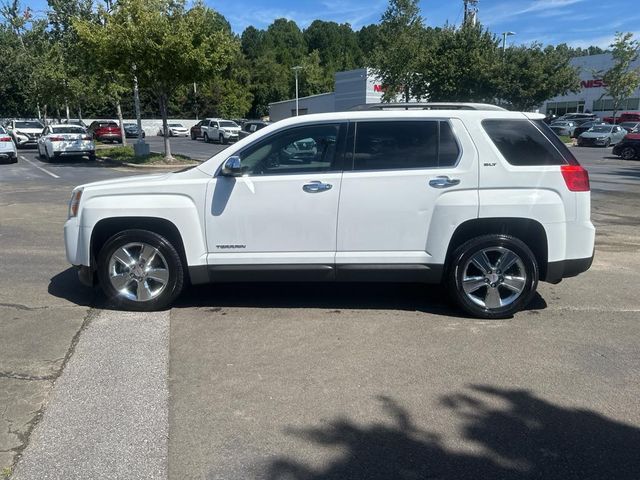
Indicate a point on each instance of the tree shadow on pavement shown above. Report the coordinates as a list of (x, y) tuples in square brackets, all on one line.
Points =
[(363, 296), (517, 435)]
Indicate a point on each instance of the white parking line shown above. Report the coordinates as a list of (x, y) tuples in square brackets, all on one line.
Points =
[(39, 167)]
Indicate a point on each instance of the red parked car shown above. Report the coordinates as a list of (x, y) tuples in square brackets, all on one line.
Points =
[(624, 117), (105, 131)]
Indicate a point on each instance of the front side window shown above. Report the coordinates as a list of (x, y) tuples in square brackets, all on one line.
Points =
[(522, 144), (395, 145), (307, 149)]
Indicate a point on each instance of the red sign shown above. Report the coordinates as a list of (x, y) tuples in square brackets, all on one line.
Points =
[(378, 88), (595, 83)]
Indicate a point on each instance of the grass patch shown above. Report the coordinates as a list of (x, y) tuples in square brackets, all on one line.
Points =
[(126, 155), (566, 139)]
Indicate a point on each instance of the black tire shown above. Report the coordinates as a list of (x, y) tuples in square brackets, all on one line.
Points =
[(92, 157), (40, 155), (607, 143), (493, 244), (169, 255), (193, 136), (47, 157), (628, 153), (223, 140), (205, 138)]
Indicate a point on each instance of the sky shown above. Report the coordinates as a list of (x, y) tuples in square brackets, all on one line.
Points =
[(578, 23)]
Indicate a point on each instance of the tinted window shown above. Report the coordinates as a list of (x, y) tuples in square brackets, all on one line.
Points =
[(395, 145), (299, 150), (522, 144), (228, 124), (68, 130), (28, 125)]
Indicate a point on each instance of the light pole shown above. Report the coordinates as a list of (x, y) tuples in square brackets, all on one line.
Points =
[(140, 147), (296, 69), (504, 40)]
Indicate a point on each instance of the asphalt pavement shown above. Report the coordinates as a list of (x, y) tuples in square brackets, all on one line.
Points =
[(313, 381)]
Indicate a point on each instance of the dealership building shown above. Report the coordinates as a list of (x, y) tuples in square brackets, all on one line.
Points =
[(353, 87), (357, 87), (591, 97)]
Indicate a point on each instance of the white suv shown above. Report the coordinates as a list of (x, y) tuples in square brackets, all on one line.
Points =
[(486, 201), (219, 130)]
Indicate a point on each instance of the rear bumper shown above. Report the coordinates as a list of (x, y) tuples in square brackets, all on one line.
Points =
[(556, 271), (8, 156)]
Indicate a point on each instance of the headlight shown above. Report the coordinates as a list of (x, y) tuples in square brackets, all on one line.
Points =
[(74, 204)]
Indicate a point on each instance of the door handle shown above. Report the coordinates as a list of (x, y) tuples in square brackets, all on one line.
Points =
[(316, 187), (443, 182)]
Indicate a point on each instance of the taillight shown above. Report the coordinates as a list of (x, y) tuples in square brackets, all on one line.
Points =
[(56, 139), (86, 137), (5, 139), (576, 178)]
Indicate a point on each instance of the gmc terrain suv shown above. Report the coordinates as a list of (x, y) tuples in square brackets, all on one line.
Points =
[(485, 200)]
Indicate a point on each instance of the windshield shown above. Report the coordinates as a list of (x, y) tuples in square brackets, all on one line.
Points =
[(2, 130), (130, 125), (628, 124), (78, 130), (601, 129), (29, 125), (176, 125), (230, 124)]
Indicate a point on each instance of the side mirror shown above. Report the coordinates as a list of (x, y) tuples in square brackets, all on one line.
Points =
[(232, 167)]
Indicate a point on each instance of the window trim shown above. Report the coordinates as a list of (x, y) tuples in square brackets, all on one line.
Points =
[(343, 126), (353, 136)]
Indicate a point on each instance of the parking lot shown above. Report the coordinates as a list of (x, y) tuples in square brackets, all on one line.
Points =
[(307, 381)]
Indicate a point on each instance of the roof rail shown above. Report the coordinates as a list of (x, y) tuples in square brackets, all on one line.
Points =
[(426, 106)]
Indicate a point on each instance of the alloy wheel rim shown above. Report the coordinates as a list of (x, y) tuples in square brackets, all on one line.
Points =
[(494, 278), (138, 271), (628, 153)]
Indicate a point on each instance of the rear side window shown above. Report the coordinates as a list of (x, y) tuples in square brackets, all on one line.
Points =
[(522, 144), (397, 145)]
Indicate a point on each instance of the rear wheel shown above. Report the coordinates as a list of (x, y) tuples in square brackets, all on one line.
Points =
[(140, 270), (628, 153), (493, 276), (193, 136)]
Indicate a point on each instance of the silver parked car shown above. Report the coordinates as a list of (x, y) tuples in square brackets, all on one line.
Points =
[(563, 127), (8, 151), (602, 136)]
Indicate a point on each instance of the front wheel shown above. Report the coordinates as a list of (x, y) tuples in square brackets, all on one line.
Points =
[(628, 153), (140, 270), (607, 143), (493, 276), (205, 138)]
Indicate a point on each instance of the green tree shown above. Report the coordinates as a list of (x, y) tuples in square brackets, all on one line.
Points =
[(171, 46), (463, 66), (622, 79), (400, 47), (367, 38), (336, 44), (530, 75)]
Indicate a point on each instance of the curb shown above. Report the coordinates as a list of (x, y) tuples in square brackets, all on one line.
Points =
[(112, 163)]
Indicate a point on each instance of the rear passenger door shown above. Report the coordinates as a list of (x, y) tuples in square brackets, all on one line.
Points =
[(407, 184)]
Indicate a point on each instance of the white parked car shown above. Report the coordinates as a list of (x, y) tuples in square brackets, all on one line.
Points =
[(175, 130), (25, 132), (65, 141), (219, 130), (487, 201), (8, 151)]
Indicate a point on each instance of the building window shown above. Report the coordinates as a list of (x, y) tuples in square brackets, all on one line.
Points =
[(606, 104), (560, 108)]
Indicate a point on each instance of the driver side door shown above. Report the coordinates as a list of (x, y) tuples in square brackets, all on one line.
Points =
[(283, 210)]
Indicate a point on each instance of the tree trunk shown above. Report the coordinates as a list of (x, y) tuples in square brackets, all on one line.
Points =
[(79, 113), (45, 114), (119, 112), (165, 128)]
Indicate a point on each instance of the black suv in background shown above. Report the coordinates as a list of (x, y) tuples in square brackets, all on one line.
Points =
[(629, 147), (252, 126)]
